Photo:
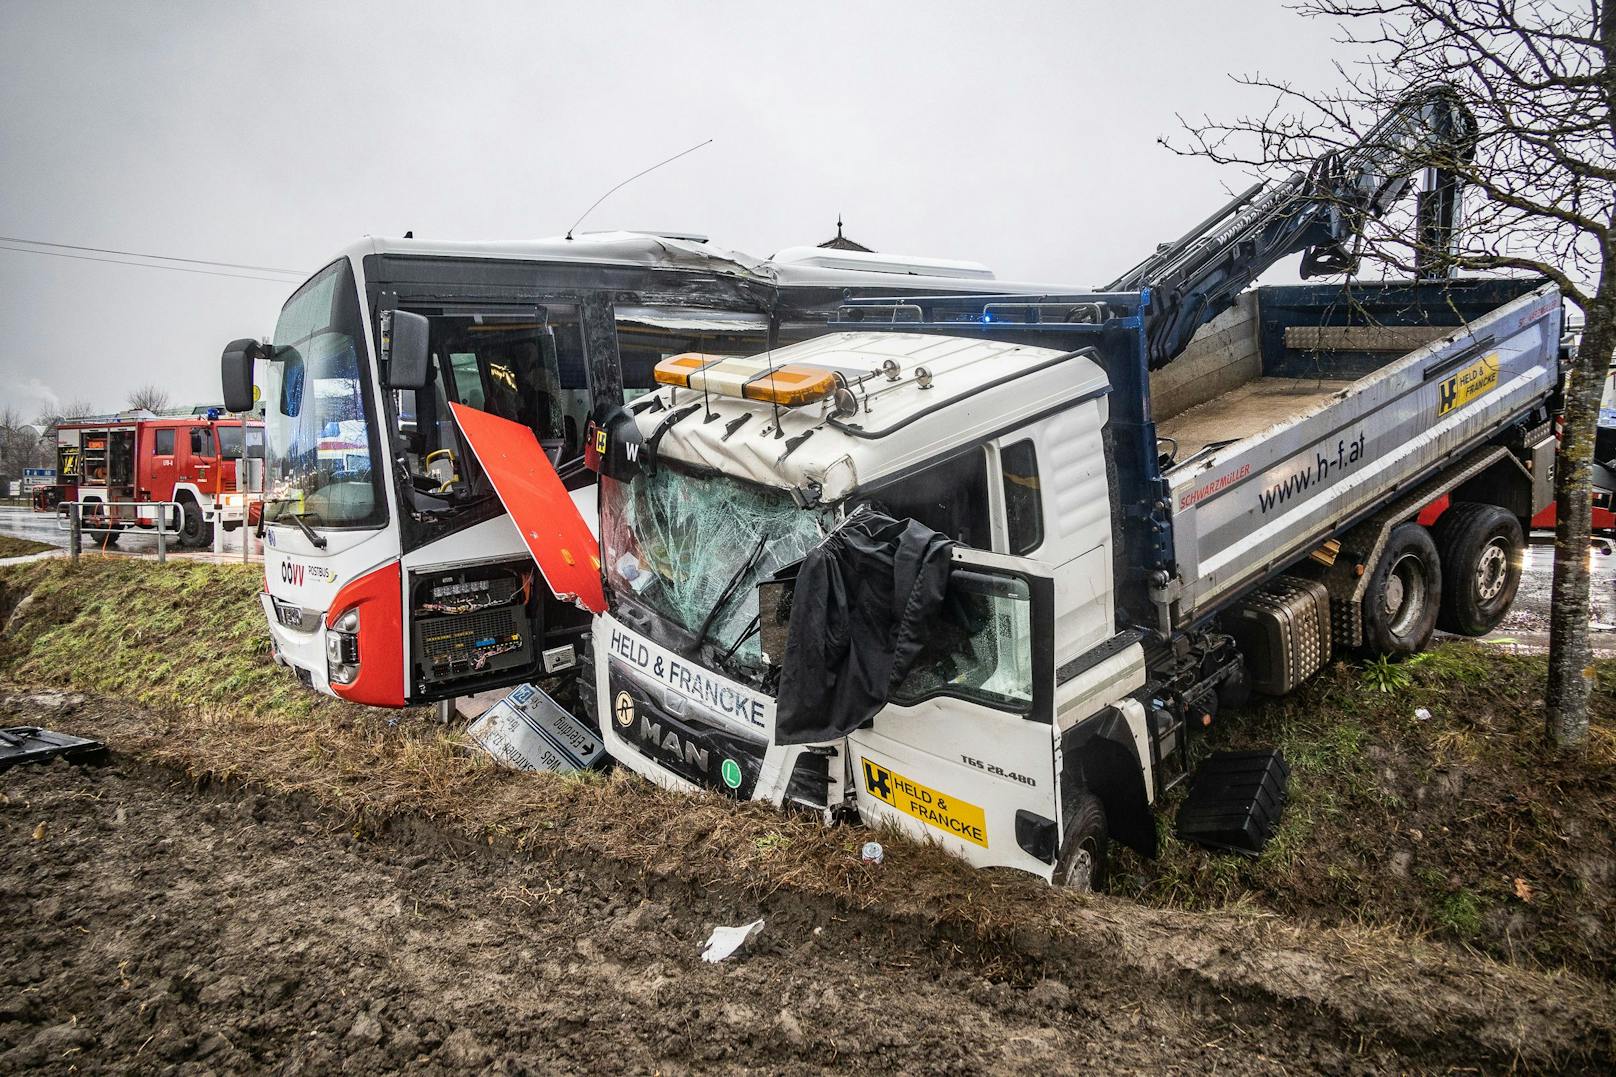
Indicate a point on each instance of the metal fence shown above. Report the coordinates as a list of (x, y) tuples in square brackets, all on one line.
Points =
[(158, 525)]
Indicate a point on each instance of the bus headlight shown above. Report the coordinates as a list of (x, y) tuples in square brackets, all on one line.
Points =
[(342, 648)]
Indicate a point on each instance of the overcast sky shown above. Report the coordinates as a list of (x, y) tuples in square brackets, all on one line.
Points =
[(1019, 135)]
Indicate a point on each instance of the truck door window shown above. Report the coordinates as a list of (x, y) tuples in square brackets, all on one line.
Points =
[(163, 442), (950, 497), (981, 648), (201, 441), (1023, 511)]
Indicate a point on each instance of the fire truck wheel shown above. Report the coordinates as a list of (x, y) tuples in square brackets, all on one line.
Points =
[(1481, 547), (1085, 854), (1400, 606), (195, 531), (90, 517)]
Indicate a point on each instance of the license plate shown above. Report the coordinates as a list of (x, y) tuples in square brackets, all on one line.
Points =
[(290, 616)]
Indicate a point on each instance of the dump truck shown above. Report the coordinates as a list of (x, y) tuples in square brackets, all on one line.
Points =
[(1131, 552)]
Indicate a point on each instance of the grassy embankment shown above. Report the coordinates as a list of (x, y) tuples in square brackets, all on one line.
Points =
[(1461, 825), (12, 546), (1458, 827)]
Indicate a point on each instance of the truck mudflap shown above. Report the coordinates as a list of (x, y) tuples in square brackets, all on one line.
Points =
[(964, 752), (551, 526)]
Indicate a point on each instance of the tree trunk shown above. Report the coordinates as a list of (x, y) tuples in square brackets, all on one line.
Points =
[(1571, 674)]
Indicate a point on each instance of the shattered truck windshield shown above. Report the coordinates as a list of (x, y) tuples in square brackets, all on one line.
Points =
[(692, 548)]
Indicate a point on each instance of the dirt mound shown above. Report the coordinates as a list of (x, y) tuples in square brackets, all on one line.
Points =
[(549, 840), (170, 928)]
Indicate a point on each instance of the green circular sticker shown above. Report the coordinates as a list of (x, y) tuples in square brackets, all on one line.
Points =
[(731, 773)]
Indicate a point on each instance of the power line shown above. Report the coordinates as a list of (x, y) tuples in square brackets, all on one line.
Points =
[(160, 257), (144, 265)]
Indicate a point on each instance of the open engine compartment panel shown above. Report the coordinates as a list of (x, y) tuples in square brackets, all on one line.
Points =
[(480, 627), (474, 622)]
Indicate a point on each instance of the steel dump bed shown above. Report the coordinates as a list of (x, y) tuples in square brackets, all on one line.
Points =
[(1292, 420)]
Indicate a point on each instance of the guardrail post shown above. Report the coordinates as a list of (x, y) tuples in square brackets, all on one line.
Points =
[(162, 534), (75, 531)]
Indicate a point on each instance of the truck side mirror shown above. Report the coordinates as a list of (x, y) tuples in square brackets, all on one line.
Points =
[(236, 373), (404, 349)]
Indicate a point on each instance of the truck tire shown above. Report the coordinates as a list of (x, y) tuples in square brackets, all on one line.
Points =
[(1481, 547), (1404, 595), (195, 532), (1084, 858), (103, 536)]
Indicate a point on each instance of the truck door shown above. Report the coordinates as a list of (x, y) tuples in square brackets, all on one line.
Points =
[(964, 754), (163, 463), (201, 467)]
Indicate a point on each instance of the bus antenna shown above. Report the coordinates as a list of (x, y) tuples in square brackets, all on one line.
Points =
[(630, 180)]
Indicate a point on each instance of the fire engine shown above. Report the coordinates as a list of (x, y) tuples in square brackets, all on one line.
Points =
[(117, 464)]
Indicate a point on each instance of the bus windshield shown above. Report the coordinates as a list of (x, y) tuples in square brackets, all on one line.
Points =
[(322, 438)]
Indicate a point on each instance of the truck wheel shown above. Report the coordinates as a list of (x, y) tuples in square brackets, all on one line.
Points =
[(106, 534), (195, 531), (1481, 547), (1400, 607), (1085, 854)]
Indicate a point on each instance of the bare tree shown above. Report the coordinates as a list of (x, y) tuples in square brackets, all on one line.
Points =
[(150, 397), (1539, 196), (50, 420)]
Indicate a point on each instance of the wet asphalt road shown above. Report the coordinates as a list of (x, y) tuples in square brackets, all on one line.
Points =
[(1526, 627)]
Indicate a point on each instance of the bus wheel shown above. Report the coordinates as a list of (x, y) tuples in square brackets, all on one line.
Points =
[(1400, 606), (195, 531), (1085, 854), (1482, 548)]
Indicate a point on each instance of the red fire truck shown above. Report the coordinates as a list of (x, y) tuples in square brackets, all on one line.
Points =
[(123, 462)]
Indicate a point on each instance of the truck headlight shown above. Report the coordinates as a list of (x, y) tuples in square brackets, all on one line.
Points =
[(342, 648)]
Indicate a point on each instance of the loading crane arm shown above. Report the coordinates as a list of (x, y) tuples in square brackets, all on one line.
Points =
[(1319, 211)]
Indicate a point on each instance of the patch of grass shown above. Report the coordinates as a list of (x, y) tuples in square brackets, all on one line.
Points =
[(11, 546), (1425, 824), (1384, 674), (1460, 913), (183, 634)]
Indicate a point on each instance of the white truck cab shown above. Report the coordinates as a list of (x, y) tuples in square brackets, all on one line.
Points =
[(961, 435)]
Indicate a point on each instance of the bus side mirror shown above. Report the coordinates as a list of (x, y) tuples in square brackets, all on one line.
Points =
[(236, 373), (404, 349)]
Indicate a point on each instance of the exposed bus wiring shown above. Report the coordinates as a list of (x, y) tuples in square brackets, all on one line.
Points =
[(159, 257)]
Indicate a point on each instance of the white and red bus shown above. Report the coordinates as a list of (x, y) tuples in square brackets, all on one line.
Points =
[(393, 574)]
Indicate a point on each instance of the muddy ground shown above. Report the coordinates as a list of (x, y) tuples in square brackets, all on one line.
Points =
[(155, 928), (264, 880)]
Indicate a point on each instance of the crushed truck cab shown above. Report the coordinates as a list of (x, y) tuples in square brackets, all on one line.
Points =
[(741, 489), (1119, 572)]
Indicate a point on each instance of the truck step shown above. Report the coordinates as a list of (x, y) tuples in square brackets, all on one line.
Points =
[(31, 744), (1235, 801)]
